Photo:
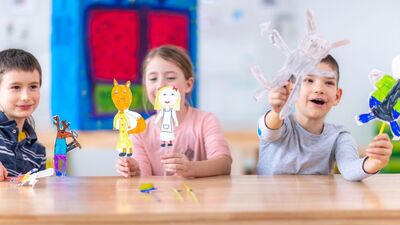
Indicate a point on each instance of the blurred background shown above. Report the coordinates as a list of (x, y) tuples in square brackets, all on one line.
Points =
[(224, 41)]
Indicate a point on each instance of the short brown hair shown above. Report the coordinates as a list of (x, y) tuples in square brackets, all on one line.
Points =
[(329, 60), (18, 59)]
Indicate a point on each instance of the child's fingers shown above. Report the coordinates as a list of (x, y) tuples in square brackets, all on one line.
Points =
[(123, 162), (124, 174), (3, 174), (379, 151), (172, 161), (383, 136), (174, 167), (376, 155), (123, 170), (380, 144), (278, 96), (171, 155), (378, 158)]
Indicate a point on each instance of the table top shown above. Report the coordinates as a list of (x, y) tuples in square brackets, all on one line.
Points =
[(223, 199)]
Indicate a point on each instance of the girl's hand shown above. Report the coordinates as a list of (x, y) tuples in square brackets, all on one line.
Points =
[(127, 167), (177, 163), (3, 172), (380, 150)]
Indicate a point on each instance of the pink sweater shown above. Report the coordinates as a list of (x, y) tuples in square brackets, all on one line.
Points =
[(198, 136)]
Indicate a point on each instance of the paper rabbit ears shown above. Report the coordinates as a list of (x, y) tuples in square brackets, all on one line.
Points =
[(312, 30)]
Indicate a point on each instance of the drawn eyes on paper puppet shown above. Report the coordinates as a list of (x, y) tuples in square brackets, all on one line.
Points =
[(315, 46), (169, 96), (121, 95)]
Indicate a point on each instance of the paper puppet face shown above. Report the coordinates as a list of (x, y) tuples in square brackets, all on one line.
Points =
[(121, 95), (168, 97), (315, 47)]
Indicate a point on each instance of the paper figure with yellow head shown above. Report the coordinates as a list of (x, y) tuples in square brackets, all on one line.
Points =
[(126, 121)]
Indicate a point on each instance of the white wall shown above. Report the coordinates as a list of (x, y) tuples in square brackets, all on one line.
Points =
[(230, 43), (26, 25)]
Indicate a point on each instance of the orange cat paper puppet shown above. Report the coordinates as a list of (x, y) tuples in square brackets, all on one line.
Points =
[(126, 121)]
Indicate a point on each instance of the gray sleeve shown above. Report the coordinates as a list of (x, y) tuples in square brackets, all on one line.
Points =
[(267, 134), (348, 160)]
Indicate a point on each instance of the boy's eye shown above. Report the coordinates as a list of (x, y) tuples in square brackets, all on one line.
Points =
[(308, 80), (15, 87), (171, 78), (34, 87), (330, 83)]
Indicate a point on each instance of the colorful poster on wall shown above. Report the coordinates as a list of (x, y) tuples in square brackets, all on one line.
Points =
[(94, 42)]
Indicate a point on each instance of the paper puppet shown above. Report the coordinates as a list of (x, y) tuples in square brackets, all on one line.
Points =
[(61, 147), (299, 62), (126, 121), (384, 102), (168, 101), (30, 178)]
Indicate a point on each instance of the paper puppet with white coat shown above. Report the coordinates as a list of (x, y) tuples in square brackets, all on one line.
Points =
[(299, 62), (167, 102), (384, 102)]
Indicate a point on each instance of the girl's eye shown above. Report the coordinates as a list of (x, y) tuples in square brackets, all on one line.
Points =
[(15, 87), (171, 78), (34, 87)]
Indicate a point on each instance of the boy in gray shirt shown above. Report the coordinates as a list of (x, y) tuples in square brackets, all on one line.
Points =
[(304, 144)]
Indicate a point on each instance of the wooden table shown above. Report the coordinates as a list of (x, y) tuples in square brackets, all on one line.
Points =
[(222, 200)]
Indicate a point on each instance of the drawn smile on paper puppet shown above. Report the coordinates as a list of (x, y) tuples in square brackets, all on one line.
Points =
[(168, 97)]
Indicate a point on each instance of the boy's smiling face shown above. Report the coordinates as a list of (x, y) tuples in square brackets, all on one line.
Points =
[(317, 95), (20, 93)]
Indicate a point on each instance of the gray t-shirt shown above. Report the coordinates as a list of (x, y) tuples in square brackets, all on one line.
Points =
[(293, 150)]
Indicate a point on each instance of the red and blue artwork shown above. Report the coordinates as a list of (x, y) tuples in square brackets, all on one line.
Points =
[(95, 41)]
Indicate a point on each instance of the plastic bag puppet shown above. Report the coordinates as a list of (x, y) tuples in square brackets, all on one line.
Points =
[(168, 101), (299, 62), (61, 147), (126, 121), (384, 102)]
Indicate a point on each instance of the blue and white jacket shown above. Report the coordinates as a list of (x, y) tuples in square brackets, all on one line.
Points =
[(19, 158)]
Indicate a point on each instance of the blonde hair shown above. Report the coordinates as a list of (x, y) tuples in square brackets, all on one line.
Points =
[(158, 105), (170, 53)]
